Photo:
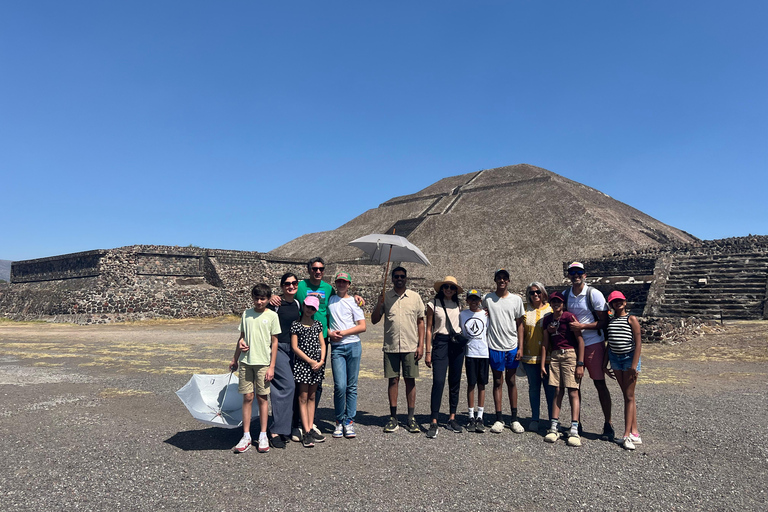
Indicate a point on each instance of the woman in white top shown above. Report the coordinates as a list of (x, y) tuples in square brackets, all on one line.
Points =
[(444, 353)]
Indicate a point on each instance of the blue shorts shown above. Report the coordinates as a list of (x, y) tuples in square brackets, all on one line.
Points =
[(503, 360), (623, 362)]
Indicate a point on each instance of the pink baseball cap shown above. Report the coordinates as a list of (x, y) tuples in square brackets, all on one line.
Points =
[(312, 302), (616, 294)]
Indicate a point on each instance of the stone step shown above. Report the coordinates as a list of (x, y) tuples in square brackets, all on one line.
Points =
[(714, 288), (730, 270), (715, 304), (746, 315)]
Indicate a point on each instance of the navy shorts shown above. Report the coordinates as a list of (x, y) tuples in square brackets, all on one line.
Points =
[(503, 359), (477, 371)]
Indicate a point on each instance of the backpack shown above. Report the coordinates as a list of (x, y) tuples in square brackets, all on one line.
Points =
[(567, 294)]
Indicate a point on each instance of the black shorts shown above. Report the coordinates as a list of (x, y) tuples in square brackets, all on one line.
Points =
[(477, 371)]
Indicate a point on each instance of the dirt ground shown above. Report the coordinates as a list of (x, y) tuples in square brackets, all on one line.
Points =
[(89, 420)]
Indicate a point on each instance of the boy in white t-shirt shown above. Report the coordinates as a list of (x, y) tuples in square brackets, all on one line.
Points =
[(347, 321), (474, 322)]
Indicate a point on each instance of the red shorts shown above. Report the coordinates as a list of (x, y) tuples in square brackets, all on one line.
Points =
[(593, 360)]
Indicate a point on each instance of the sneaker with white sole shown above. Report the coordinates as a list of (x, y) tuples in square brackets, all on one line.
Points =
[(627, 444), (243, 445), (263, 446), (296, 435), (516, 427), (349, 430), (479, 426), (432, 431), (574, 440), (338, 432), (552, 436), (498, 427), (391, 425), (635, 439), (319, 437), (307, 441)]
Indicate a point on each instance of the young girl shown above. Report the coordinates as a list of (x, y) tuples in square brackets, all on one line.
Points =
[(624, 347), (309, 365)]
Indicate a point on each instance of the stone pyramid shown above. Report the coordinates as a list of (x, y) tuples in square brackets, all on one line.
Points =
[(521, 217)]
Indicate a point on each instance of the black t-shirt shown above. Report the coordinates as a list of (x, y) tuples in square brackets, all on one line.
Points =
[(287, 313)]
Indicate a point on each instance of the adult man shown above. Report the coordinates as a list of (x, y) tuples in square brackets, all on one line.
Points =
[(403, 312), (589, 306), (505, 343)]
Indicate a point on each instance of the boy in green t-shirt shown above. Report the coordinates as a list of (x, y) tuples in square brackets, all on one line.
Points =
[(255, 355)]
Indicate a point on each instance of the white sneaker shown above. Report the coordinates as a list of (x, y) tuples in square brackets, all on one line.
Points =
[(635, 439), (533, 426), (263, 444), (243, 445), (574, 440), (627, 444), (516, 427), (497, 427), (338, 432)]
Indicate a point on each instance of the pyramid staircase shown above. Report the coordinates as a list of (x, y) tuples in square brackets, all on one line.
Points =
[(734, 287)]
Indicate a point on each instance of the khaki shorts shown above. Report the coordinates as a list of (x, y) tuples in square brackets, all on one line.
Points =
[(253, 379), (562, 369), (393, 360)]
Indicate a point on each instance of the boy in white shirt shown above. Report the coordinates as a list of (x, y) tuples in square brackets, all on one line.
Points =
[(473, 322)]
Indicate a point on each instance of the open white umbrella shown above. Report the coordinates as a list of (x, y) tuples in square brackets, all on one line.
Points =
[(385, 248), (213, 399)]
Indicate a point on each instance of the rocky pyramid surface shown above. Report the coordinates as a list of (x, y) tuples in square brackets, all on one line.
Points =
[(523, 218)]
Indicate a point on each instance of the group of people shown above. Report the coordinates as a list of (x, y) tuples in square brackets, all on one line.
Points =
[(285, 341)]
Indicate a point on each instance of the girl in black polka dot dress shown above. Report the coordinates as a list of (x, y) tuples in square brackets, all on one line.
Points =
[(309, 364)]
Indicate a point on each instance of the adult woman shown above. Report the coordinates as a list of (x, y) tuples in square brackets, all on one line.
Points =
[(536, 308), (443, 352), (283, 383)]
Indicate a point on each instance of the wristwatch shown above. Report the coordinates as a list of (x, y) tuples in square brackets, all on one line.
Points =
[(579, 363)]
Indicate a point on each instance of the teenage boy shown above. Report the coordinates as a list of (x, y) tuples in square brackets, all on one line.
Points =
[(566, 367), (403, 313), (254, 358), (505, 341), (346, 323), (589, 306), (473, 322)]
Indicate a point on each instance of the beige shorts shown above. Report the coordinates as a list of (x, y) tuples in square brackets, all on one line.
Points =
[(253, 379), (393, 361), (562, 369)]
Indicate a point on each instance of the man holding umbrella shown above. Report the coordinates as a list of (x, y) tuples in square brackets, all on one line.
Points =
[(403, 313)]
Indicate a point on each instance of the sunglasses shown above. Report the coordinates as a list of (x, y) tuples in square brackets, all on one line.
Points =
[(318, 269), (449, 287), (534, 292), (398, 276), (575, 272), (288, 284)]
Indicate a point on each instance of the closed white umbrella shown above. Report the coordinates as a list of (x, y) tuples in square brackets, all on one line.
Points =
[(213, 399)]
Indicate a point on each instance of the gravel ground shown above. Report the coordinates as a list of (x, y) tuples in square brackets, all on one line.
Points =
[(89, 421)]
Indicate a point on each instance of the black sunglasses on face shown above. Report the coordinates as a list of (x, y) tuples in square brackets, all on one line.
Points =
[(449, 287), (398, 276), (290, 283), (575, 272), (318, 269), (534, 292)]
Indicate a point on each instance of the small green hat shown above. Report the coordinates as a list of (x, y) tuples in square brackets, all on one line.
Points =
[(343, 275)]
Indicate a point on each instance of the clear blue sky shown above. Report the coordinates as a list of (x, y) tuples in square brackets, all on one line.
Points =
[(243, 124)]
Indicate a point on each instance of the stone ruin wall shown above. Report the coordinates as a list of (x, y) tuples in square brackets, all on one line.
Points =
[(147, 281)]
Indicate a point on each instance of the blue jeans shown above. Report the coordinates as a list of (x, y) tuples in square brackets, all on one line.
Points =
[(533, 372), (345, 362)]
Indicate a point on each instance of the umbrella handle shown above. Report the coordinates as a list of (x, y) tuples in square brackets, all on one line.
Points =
[(386, 272), (221, 405)]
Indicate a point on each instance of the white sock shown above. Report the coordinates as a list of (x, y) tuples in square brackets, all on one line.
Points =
[(247, 435), (479, 413), (471, 414), (262, 435)]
